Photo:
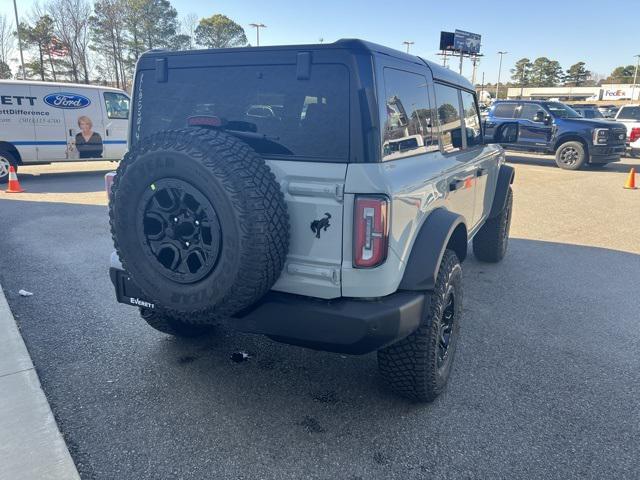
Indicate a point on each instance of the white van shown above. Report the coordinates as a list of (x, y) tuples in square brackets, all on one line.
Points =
[(45, 122)]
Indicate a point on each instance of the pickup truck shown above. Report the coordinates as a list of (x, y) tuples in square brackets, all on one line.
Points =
[(552, 127), (629, 115)]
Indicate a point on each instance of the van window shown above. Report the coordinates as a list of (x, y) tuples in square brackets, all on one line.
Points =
[(117, 105), (448, 106), (505, 110), (408, 125), (472, 123), (267, 106)]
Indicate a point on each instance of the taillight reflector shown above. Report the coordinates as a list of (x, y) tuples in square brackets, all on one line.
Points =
[(371, 231), (634, 135)]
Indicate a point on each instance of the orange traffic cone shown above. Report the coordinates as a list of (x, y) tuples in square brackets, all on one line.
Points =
[(14, 184), (631, 180)]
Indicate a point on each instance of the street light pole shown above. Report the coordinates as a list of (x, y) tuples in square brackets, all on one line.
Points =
[(499, 72), (257, 26), (635, 77), (15, 9), (408, 44)]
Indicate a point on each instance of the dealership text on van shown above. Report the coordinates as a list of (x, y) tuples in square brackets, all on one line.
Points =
[(7, 100)]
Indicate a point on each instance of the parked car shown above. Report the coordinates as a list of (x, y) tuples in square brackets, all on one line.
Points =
[(587, 111), (555, 128), (340, 226), (45, 122), (608, 111), (629, 115)]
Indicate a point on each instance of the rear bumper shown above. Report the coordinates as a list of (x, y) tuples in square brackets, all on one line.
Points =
[(606, 154), (343, 325)]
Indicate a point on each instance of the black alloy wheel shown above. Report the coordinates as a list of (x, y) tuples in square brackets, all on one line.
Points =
[(180, 230)]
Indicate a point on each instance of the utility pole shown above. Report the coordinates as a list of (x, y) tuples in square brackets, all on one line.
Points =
[(257, 26), (635, 77), (408, 44), (482, 84), (461, 57), (499, 72), (15, 9)]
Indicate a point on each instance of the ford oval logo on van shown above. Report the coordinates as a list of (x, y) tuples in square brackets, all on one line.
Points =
[(67, 100)]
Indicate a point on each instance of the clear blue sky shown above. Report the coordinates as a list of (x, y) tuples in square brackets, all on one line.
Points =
[(602, 34)]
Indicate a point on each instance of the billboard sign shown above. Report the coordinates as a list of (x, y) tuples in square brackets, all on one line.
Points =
[(446, 40), (466, 42)]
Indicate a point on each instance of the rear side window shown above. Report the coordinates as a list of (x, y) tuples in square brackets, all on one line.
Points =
[(277, 113), (472, 125), (408, 128), (629, 113), (448, 108), (116, 105), (505, 110)]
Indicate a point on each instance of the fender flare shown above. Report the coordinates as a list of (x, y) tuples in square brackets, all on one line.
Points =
[(440, 227), (506, 175)]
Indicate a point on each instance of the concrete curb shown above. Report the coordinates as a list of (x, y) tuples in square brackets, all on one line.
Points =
[(31, 445)]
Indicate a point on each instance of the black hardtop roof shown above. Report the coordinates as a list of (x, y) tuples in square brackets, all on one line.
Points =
[(356, 45)]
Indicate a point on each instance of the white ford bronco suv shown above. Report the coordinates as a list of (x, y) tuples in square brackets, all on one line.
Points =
[(321, 195)]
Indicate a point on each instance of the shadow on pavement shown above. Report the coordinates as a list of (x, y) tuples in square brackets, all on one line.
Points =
[(624, 165)]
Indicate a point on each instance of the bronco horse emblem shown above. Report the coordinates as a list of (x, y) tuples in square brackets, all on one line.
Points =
[(322, 224)]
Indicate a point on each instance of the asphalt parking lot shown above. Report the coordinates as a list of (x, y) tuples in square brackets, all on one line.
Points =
[(545, 384)]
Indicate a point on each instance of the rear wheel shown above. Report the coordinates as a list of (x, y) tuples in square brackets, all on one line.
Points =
[(419, 366), (571, 155), (6, 160), (167, 324)]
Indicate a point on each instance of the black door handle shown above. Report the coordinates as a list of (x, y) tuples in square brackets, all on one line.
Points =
[(71, 132), (107, 130), (482, 172)]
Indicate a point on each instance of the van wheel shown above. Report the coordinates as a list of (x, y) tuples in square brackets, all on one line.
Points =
[(6, 160), (491, 241), (177, 328), (418, 366), (571, 156)]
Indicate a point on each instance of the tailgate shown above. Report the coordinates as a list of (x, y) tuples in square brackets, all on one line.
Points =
[(314, 195)]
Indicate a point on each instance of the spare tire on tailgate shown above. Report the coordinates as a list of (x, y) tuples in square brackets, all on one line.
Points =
[(199, 222)]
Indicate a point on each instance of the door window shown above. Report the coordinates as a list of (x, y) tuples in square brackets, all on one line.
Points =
[(472, 124), (505, 110), (117, 105), (530, 110), (408, 128), (448, 107)]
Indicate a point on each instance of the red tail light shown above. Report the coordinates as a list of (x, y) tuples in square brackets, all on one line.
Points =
[(634, 135), (108, 182), (371, 231)]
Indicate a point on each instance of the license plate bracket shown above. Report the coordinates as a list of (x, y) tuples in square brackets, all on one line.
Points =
[(127, 291)]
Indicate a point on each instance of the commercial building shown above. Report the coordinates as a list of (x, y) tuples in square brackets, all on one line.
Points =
[(608, 92)]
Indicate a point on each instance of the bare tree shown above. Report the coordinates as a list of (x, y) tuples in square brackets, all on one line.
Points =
[(6, 39), (71, 23), (108, 38), (189, 25)]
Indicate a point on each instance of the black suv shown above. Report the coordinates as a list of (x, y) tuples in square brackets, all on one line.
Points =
[(553, 127)]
